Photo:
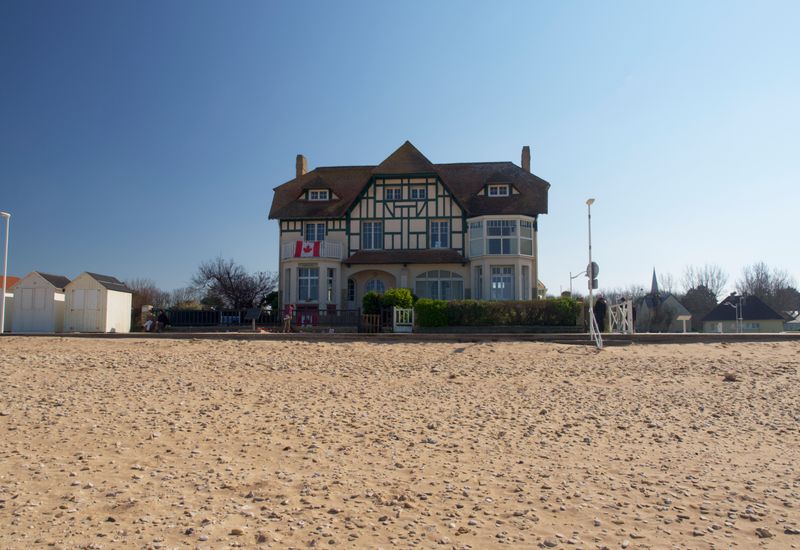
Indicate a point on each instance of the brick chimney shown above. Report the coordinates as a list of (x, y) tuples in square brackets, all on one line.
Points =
[(301, 166), (526, 158)]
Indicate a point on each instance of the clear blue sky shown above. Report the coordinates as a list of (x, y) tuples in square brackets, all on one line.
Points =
[(140, 138)]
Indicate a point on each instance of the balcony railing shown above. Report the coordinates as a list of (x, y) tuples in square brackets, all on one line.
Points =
[(327, 249)]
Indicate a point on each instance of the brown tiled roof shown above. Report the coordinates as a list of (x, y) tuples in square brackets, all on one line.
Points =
[(464, 180), (405, 160), (429, 256)]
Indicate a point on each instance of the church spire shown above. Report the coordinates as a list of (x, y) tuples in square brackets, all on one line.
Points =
[(654, 285)]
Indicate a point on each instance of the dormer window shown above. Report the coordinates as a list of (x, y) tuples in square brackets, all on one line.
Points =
[(318, 195), (498, 190)]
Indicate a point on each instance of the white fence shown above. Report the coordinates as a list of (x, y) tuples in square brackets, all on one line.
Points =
[(622, 318), (327, 249), (403, 320)]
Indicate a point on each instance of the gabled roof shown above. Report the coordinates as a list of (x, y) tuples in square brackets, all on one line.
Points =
[(464, 180), (753, 309), (425, 256), (109, 282), (405, 160), (58, 281), (10, 282)]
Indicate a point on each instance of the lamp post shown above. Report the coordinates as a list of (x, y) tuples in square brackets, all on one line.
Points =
[(589, 204), (7, 216)]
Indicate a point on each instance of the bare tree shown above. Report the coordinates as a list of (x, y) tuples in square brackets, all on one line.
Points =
[(773, 286), (232, 284), (630, 292), (146, 293), (710, 276), (668, 283), (184, 298)]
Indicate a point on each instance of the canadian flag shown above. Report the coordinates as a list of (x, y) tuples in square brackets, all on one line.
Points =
[(306, 249)]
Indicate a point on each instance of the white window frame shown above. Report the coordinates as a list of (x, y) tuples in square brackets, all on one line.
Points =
[(316, 231), (331, 285), (318, 195), (419, 193), (508, 237), (504, 277), (477, 287), (498, 190), (396, 193), (375, 285), (443, 279), (441, 229), (375, 241), (308, 281)]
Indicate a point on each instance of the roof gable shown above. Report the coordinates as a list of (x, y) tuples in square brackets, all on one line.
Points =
[(109, 282), (405, 160), (58, 281), (753, 309), (464, 181)]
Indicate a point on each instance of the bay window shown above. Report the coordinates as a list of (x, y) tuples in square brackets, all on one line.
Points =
[(308, 284)]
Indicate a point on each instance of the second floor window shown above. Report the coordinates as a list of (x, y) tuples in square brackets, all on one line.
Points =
[(393, 193), (372, 235), (501, 236), (318, 195), (498, 190), (440, 234), (419, 193), (315, 232)]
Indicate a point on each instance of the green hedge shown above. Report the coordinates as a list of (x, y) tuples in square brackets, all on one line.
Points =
[(560, 312), (397, 297), (371, 303)]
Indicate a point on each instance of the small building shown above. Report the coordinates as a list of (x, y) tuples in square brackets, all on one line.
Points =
[(39, 303), (748, 311), (97, 303), (10, 282), (794, 324), (658, 311)]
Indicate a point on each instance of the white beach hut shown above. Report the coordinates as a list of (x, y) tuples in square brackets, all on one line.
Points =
[(39, 303), (97, 303)]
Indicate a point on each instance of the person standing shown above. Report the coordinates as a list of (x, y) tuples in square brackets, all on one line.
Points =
[(600, 309), (163, 320), (287, 318)]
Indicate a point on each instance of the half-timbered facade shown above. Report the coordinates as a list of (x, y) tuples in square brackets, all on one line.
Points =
[(446, 231)]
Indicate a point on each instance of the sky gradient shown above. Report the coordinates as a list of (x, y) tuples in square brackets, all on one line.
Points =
[(138, 139)]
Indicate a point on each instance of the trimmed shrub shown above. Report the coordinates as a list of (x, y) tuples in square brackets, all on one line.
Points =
[(397, 297), (430, 313), (371, 303), (471, 313)]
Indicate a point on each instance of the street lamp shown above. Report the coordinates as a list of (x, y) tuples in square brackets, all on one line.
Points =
[(589, 204), (7, 216)]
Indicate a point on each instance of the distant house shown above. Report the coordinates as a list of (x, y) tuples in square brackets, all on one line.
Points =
[(39, 303), (754, 314), (658, 311), (446, 231), (794, 324), (97, 303)]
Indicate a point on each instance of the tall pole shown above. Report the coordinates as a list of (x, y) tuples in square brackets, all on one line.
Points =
[(589, 274), (7, 216)]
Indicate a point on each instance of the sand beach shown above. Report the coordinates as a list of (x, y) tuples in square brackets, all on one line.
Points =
[(142, 443)]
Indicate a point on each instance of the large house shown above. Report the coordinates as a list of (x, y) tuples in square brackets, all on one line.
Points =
[(446, 231)]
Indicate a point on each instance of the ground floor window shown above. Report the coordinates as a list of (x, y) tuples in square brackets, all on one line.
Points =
[(440, 285), (502, 282), (287, 291), (376, 285), (351, 290), (526, 282), (477, 284), (308, 284), (330, 286)]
